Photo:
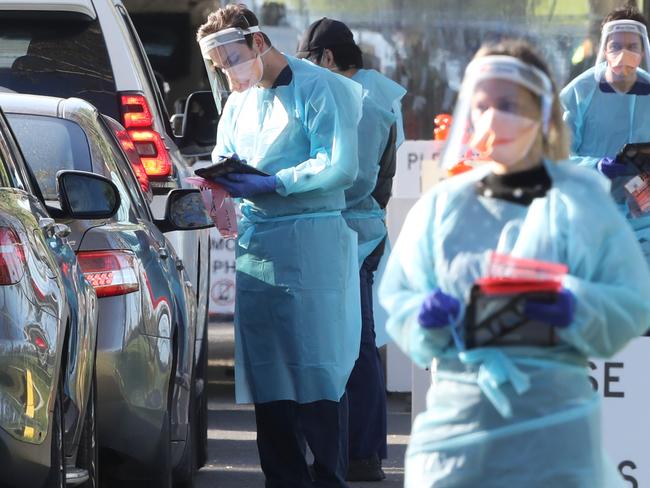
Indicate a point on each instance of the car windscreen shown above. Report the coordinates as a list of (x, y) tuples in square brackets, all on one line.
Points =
[(62, 55), (50, 145)]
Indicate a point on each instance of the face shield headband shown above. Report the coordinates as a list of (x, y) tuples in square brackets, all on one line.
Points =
[(223, 37)]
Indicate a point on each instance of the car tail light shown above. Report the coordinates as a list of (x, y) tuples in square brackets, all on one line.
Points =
[(12, 257), (137, 118), (134, 158), (111, 273)]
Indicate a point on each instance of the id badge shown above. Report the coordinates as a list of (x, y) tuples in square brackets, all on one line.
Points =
[(638, 194)]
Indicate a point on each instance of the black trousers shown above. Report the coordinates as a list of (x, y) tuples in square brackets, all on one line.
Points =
[(366, 389), (285, 428)]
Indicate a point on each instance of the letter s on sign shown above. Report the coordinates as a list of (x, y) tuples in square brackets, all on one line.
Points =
[(631, 479)]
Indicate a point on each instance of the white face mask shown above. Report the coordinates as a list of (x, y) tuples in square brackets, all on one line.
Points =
[(247, 74), (503, 137)]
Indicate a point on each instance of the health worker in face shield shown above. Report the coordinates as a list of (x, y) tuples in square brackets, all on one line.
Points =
[(330, 44), (607, 107), (297, 316), (508, 333)]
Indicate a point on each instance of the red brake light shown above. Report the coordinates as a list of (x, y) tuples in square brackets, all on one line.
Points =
[(111, 273), (136, 111), (150, 147), (12, 257), (134, 158), (149, 144)]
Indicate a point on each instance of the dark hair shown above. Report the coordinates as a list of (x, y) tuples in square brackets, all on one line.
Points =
[(629, 12), (346, 56), (232, 15), (556, 145)]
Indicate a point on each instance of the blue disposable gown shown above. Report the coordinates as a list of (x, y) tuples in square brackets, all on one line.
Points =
[(515, 416), (387, 93), (297, 314), (602, 123), (381, 97)]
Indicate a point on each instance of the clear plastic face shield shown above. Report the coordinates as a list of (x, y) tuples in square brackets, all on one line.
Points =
[(230, 63), (624, 55), (502, 105)]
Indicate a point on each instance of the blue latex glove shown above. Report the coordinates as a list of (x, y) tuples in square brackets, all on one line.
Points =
[(612, 167), (558, 313), (241, 185), (438, 310)]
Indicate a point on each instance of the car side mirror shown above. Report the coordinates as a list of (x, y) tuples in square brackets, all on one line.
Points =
[(185, 211), (86, 195), (198, 123)]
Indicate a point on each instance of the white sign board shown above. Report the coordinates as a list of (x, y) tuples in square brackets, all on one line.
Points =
[(409, 166), (623, 385), (222, 276)]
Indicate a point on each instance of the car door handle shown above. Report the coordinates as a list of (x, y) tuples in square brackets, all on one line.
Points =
[(162, 252)]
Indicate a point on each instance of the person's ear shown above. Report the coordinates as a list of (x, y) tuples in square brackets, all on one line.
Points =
[(258, 41), (327, 60)]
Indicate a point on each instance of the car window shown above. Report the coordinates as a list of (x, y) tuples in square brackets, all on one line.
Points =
[(166, 38), (62, 55), (50, 144)]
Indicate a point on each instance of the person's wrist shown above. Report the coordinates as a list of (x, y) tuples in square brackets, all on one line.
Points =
[(273, 183)]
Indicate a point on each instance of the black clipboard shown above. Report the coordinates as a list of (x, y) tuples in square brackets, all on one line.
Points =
[(225, 166), (636, 153), (499, 320)]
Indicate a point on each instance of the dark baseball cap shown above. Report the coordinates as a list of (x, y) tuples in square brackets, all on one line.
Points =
[(323, 34)]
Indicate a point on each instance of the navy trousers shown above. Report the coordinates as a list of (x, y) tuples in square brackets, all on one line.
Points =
[(285, 428), (366, 389)]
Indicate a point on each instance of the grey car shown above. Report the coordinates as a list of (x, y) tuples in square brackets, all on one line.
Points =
[(90, 49), (146, 384), (47, 331)]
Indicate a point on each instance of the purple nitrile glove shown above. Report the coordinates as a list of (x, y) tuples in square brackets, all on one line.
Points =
[(558, 313), (241, 185), (611, 167), (438, 310)]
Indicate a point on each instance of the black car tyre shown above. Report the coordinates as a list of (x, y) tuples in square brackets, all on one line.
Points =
[(88, 456), (56, 477)]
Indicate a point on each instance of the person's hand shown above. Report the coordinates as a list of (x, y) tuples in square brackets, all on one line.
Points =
[(241, 185), (558, 313), (612, 167), (438, 310)]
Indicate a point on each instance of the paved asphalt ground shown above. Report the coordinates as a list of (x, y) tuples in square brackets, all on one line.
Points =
[(232, 453)]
